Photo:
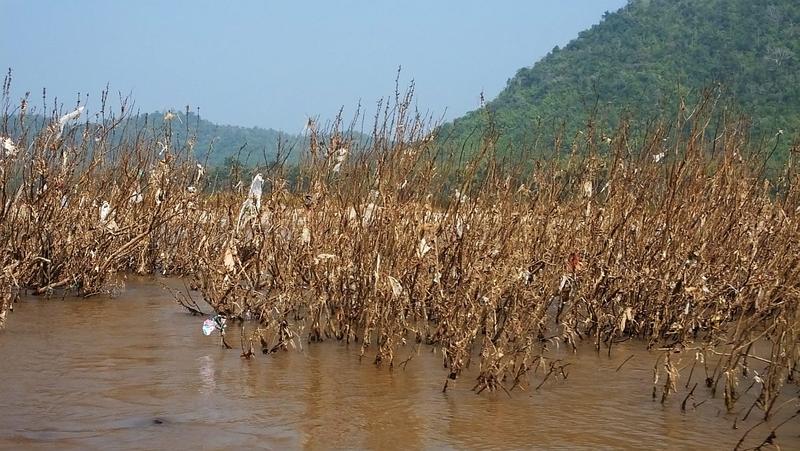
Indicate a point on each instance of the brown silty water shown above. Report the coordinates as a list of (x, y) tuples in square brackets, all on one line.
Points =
[(136, 372)]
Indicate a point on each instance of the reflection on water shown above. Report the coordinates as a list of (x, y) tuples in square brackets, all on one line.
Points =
[(206, 365), (137, 372)]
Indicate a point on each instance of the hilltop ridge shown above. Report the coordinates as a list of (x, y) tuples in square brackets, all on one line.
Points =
[(642, 58)]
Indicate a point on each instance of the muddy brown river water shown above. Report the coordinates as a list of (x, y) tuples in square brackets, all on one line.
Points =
[(136, 372)]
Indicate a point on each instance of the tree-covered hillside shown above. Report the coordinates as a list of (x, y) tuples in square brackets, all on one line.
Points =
[(640, 59), (223, 142), (216, 144)]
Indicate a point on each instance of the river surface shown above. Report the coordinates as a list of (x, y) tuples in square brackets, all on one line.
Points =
[(136, 372)]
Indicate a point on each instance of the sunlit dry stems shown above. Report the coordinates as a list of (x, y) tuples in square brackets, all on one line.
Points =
[(403, 236)]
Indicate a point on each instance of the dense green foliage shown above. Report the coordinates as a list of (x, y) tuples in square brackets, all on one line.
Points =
[(640, 60)]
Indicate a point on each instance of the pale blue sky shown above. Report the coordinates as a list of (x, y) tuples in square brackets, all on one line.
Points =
[(270, 63)]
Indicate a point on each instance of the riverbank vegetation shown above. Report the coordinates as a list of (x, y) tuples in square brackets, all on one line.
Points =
[(670, 235)]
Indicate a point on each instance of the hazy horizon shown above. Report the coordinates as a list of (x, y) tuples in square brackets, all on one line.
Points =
[(272, 65)]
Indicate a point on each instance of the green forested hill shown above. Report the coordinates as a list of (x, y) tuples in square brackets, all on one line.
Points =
[(223, 142), (639, 59), (219, 144)]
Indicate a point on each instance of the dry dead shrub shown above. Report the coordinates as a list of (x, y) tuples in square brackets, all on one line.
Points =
[(673, 236)]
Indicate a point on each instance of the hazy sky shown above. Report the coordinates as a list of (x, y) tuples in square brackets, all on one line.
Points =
[(270, 63)]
